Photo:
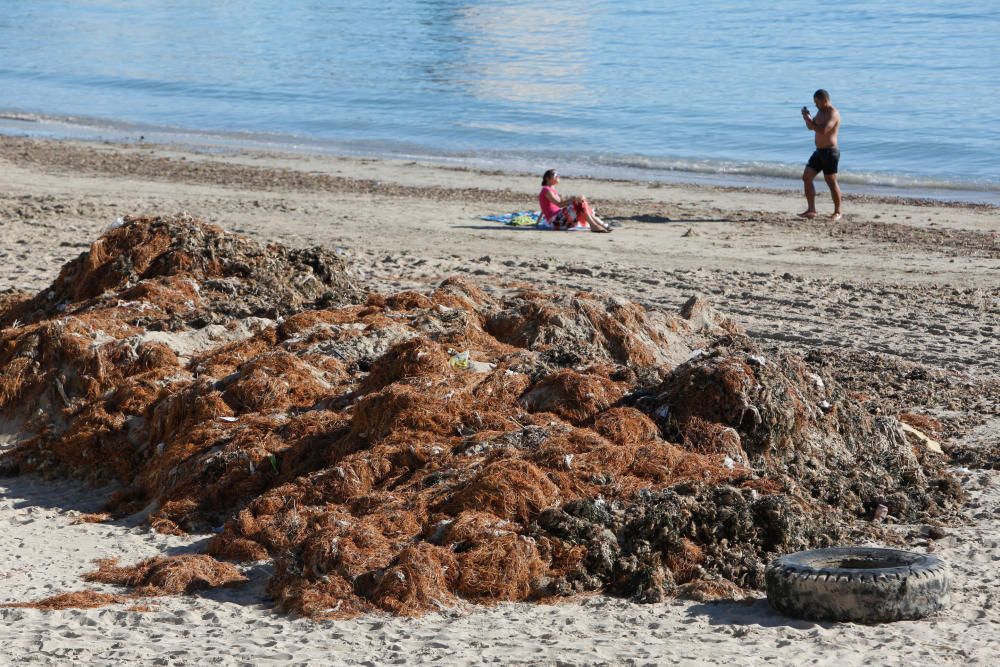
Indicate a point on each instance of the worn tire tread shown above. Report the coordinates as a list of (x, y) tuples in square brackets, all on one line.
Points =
[(909, 586)]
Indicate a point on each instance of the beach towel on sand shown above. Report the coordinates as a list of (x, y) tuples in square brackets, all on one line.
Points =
[(516, 219), (526, 219)]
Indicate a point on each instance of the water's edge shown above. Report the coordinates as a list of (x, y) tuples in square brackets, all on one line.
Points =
[(764, 176)]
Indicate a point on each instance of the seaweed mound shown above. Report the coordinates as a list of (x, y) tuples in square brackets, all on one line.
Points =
[(178, 272), (791, 424), (402, 452)]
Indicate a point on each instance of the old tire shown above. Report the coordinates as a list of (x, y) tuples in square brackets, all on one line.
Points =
[(858, 584)]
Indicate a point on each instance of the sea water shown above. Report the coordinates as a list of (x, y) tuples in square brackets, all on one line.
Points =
[(663, 90)]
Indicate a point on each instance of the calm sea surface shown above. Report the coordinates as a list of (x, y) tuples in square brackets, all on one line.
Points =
[(706, 90)]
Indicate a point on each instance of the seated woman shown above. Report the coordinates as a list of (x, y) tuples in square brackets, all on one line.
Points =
[(564, 213)]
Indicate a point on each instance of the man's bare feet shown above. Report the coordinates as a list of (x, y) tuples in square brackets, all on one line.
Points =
[(835, 217), (808, 214)]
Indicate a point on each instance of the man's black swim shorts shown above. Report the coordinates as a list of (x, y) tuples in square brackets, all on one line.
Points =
[(825, 160)]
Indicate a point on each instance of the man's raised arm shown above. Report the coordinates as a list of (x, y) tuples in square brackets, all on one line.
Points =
[(827, 128)]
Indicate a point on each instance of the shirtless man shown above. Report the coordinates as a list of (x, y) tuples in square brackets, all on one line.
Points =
[(826, 124)]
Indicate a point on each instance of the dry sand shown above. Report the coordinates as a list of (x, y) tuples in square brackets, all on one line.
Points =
[(917, 280)]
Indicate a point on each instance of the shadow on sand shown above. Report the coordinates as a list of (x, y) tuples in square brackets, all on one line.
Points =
[(750, 613), (662, 220)]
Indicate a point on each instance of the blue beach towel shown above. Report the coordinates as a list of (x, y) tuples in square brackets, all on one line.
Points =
[(527, 219), (517, 218)]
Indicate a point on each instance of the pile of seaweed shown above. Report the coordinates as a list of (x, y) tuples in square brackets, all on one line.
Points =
[(402, 452)]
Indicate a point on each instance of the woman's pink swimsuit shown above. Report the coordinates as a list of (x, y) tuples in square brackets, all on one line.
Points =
[(549, 209), (559, 218)]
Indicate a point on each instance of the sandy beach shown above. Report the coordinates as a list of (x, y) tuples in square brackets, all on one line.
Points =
[(910, 281)]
